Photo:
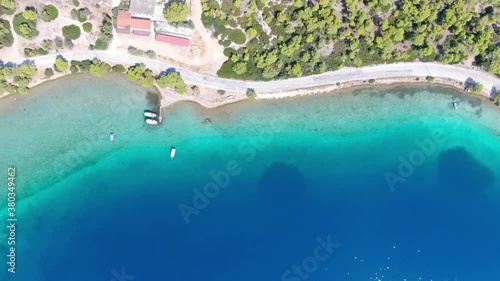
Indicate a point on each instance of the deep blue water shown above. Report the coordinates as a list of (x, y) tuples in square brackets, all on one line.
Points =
[(281, 196)]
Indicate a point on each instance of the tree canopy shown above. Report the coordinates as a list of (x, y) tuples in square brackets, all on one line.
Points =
[(99, 68), (71, 32), (304, 39), (176, 12), (60, 64), (6, 38), (24, 24), (49, 13), (141, 75), (172, 79)]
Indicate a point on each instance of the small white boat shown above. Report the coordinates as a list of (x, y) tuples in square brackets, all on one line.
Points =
[(455, 105), (150, 114), (111, 136), (172, 152), (151, 121)]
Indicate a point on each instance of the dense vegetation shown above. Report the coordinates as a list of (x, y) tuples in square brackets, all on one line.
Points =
[(141, 74), (99, 68), (295, 38), (60, 64), (106, 35), (15, 79), (25, 23), (138, 52), (49, 13), (7, 7), (71, 32), (6, 38), (176, 12), (172, 79)]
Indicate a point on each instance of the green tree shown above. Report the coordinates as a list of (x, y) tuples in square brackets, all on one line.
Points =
[(240, 67), (87, 27), (7, 7), (6, 38), (49, 72), (71, 32), (49, 13), (141, 74), (172, 79), (176, 12), (60, 65), (24, 27), (30, 15), (251, 94), (118, 68), (252, 32), (476, 88), (99, 68)]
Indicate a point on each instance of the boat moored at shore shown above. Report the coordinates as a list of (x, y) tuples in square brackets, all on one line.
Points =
[(150, 114), (151, 121)]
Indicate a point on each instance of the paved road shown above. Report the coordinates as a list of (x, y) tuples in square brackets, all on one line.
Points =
[(489, 81)]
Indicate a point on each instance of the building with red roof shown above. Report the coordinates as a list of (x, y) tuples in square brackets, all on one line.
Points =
[(125, 23), (180, 41)]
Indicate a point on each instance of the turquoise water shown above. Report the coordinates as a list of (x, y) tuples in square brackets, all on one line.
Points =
[(396, 184)]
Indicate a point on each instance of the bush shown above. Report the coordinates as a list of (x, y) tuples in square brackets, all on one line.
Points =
[(87, 27), (6, 38), (476, 88), (58, 42), (151, 54), (35, 52), (48, 72), (60, 65), (251, 94), (73, 69), (82, 14), (429, 78), (221, 92), (118, 68), (85, 65), (371, 81), (71, 32), (49, 13), (76, 3), (68, 44)]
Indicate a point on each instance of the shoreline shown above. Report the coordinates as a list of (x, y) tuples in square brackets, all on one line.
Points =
[(168, 97)]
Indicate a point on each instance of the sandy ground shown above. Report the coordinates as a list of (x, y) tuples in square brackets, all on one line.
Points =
[(49, 30)]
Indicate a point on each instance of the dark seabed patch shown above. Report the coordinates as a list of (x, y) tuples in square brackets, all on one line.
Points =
[(281, 183), (460, 172)]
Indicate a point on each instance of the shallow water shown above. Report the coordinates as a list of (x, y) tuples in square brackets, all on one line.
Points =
[(401, 184)]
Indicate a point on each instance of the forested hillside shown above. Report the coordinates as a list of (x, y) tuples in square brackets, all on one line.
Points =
[(267, 39)]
